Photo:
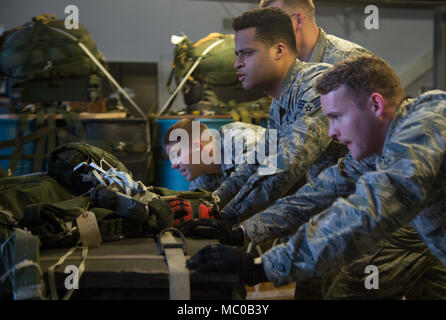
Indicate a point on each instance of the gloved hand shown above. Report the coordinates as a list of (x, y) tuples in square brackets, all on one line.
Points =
[(223, 258), (213, 228), (182, 211)]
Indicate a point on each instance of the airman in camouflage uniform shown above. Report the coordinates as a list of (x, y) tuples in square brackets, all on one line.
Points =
[(331, 49), (251, 194), (303, 143), (369, 199), (206, 157), (240, 134), (394, 175), (313, 43)]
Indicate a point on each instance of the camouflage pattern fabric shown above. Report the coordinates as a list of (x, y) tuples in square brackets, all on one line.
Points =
[(328, 49), (209, 182), (230, 140), (331, 49), (406, 268), (257, 194), (406, 186), (294, 114), (405, 263), (303, 142), (284, 217)]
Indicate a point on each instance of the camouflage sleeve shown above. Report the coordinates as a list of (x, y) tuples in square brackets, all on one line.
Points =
[(289, 213), (232, 184), (304, 142), (408, 176), (209, 182), (242, 169)]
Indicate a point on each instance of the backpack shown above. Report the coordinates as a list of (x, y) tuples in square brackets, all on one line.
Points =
[(45, 49)]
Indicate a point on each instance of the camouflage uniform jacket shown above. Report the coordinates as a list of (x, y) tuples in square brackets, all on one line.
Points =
[(302, 145), (331, 49), (407, 185), (238, 135)]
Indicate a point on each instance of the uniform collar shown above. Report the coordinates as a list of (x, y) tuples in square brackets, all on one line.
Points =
[(399, 113), (289, 80), (319, 48)]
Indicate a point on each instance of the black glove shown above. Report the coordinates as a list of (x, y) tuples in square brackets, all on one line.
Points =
[(212, 228), (223, 258)]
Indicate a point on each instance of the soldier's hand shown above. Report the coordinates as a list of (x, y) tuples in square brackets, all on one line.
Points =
[(223, 258), (215, 229), (181, 209)]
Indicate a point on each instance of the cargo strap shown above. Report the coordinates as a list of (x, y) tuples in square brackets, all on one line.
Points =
[(52, 269), (174, 253), (44, 132)]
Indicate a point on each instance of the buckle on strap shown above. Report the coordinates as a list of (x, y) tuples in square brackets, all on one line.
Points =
[(166, 241)]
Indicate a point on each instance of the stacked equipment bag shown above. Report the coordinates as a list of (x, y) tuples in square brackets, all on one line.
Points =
[(42, 209), (45, 49)]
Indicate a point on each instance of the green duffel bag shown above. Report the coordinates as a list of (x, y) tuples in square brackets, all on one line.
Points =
[(217, 66), (16, 193), (44, 49), (65, 158), (40, 204)]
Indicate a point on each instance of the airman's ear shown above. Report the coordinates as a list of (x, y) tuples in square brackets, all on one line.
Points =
[(298, 19), (281, 49), (376, 104)]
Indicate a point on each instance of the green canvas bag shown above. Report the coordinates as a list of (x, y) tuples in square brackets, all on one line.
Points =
[(45, 49), (217, 66)]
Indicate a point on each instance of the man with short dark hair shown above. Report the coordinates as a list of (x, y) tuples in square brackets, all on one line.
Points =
[(394, 175), (313, 45), (266, 60)]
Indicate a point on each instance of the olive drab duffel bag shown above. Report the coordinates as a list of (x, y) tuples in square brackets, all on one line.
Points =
[(65, 158), (44, 49), (84, 178), (38, 211), (48, 204), (217, 66), (40, 204)]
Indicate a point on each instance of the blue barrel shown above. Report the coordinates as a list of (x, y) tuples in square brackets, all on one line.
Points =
[(165, 176), (8, 130)]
